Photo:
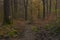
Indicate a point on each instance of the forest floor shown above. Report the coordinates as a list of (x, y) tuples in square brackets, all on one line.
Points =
[(25, 30)]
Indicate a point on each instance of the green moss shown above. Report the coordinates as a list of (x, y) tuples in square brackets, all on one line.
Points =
[(47, 27), (35, 29), (12, 33)]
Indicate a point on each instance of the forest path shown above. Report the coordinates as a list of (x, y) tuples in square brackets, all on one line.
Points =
[(28, 34), (26, 28)]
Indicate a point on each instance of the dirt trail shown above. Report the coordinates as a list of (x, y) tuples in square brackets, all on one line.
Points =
[(29, 35)]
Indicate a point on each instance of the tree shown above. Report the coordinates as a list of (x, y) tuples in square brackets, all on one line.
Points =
[(50, 7), (38, 8), (47, 5), (26, 8), (15, 6), (43, 8), (6, 19), (12, 10), (56, 10), (31, 10)]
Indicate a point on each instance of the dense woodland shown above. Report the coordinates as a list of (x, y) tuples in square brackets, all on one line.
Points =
[(19, 17), (29, 10)]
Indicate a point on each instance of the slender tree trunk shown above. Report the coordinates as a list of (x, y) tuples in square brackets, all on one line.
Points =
[(6, 19), (50, 8), (56, 10), (31, 10), (26, 9), (47, 5), (12, 10), (43, 8), (15, 7), (39, 9)]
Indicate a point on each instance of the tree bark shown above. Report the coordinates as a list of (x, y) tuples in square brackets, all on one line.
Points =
[(38, 8), (50, 8), (6, 19), (56, 10), (26, 9), (47, 6), (15, 7), (43, 9)]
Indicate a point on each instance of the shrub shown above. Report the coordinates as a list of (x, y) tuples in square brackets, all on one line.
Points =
[(12, 33)]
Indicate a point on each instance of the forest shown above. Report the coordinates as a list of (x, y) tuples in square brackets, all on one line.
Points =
[(29, 19)]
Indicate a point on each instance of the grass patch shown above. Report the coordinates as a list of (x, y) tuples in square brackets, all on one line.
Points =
[(35, 28)]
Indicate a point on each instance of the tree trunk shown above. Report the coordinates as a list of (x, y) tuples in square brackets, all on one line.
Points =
[(26, 9), (56, 10), (6, 19), (39, 9), (50, 8), (43, 9), (15, 7), (47, 6)]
